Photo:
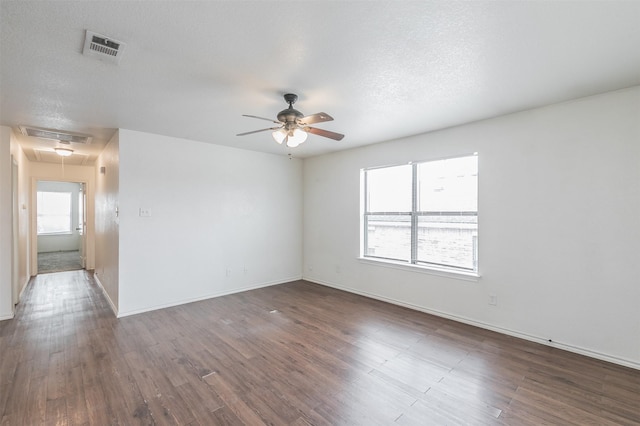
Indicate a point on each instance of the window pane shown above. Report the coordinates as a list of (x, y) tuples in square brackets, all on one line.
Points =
[(54, 212), (448, 241), (448, 185), (389, 189), (441, 229), (389, 237)]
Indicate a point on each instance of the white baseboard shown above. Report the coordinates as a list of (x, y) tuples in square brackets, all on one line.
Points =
[(570, 348), (12, 314), (24, 287), (6, 317), (208, 296), (106, 295)]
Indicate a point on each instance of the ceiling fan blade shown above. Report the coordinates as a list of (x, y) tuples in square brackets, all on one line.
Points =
[(325, 133), (262, 118), (315, 118), (258, 131)]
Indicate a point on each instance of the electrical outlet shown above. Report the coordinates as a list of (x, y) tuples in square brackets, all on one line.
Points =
[(145, 212), (228, 272), (493, 300)]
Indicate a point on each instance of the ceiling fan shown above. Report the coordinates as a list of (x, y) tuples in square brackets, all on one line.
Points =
[(293, 126)]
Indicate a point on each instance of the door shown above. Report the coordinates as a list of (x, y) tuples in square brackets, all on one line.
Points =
[(15, 285)]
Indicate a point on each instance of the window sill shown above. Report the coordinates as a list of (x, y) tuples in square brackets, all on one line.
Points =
[(441, 272)]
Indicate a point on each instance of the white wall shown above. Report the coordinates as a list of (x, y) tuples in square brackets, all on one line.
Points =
[(106, 224), (559, 202), (6, 304), (222, 220), (24, 197), (11, 151), (70, 173), (62, 242)]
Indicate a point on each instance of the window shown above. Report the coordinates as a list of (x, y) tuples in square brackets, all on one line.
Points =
[(54, 212), (423, 214)]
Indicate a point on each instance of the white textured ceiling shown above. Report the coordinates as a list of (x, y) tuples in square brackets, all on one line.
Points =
[(382, 69)]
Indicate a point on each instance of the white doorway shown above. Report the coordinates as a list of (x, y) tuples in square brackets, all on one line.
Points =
[(61, 226)]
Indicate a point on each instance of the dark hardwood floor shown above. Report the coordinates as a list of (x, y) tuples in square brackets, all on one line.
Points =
[(293, 354)]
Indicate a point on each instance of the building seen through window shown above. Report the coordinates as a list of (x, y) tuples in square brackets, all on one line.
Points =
[(423, 213)]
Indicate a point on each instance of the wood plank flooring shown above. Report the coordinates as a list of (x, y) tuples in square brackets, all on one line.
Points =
[(293, 354)]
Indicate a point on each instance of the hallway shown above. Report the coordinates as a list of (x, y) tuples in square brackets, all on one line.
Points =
[(45, 346)]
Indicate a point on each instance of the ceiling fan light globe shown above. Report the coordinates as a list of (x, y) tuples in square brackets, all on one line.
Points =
[(279, 135), (296, 137), (63, 152)]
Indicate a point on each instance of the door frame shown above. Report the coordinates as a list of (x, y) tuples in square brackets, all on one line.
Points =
[(33, 267), (15, 233), (82, 204)]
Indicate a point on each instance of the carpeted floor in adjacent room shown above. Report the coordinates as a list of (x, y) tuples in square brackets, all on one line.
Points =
[(59, 261)]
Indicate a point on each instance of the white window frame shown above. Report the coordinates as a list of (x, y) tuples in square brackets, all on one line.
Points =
[(414, 264)]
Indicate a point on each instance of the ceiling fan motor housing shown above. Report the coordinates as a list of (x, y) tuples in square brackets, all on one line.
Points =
[(290, 115)]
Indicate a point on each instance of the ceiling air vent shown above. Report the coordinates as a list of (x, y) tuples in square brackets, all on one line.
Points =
[(56, 135), (102, 47)]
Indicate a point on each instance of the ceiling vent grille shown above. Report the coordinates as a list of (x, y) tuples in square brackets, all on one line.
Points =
[(55, 135), (102, 47)]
